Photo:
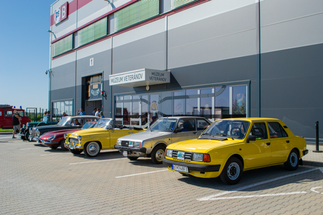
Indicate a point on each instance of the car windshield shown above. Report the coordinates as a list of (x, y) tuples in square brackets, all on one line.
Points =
[(164, 125), (102, 123), (223, 129), (64, 121), (88, 125)]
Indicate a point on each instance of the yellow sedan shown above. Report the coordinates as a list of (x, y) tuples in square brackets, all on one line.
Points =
[(102, 136), (229, 147)]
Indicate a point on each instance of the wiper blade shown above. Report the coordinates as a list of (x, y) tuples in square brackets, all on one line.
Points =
[(221, 134), (207, 134)]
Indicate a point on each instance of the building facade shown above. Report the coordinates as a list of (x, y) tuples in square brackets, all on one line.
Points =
[(142, 59)]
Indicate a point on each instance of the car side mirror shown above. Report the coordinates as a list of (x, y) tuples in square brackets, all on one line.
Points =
[(251, 138), (178, 130)]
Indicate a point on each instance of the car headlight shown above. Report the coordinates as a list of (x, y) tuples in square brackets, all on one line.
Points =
[(137, 144), (79, 137), (201, 157), (37, 133), (169, 153), (119, 142), (51, 138)]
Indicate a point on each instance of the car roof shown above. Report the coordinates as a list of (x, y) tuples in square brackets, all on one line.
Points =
[(181, 117), (83, 116), (253, 119)]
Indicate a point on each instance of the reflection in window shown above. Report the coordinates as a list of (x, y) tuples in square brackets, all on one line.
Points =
[(239, 100), (179, 104), (63, 106)]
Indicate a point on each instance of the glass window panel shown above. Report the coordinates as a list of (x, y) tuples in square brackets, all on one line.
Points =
[(153, 107), (62, 46), (179, 104), (166, 103), (191, 92), (192, 107), (221, 102), (92, 32)]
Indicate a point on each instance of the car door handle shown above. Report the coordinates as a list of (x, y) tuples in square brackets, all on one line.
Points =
[(268, 144), (287, 141)]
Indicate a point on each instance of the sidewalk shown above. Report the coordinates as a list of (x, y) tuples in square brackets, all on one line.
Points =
[(313, 158)]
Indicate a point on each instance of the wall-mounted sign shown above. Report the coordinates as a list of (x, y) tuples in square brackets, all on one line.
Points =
[(61, 13), (91, 61), (95, 87), (140, 77)]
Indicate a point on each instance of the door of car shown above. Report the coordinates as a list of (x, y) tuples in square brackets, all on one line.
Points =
[(258, 151), (280, 142), (186, 130)]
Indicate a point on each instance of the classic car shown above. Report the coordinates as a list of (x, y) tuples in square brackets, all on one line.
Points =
[(102, 136), (68, 122), (24, 131), (166, 130), (55, 139), (231, 146)]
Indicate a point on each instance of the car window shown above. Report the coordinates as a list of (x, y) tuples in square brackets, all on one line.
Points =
[(8, 113), (276, 130), (164, 125), (201, 124), (186, 124), (259, 130), (0, 113)]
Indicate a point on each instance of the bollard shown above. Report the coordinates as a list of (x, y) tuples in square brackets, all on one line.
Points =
[(317, 137)]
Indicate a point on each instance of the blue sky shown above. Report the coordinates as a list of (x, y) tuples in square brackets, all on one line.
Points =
[(24, 53)]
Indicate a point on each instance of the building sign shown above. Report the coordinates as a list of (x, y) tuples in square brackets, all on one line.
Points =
[(61, 13), (95, 87), (141, 77)]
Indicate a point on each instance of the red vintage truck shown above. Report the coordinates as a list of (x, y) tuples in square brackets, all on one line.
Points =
[(6, 112)]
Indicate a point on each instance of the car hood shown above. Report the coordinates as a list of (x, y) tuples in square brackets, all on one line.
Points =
[(59, 132), (146, 135), (89, 131), (202, 145)]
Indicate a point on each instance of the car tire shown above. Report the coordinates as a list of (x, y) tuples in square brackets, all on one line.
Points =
[(232, 171), (292, 161), (158, 154), (53, 147), (92, 149), (132, 158), (27, 136), (61, 144), (76, 152)]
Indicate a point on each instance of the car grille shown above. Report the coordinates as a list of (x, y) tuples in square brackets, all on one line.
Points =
[(124, 143), (71, 140), (187, 155)]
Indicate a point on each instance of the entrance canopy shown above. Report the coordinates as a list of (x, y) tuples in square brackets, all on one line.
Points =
[(139, 78)]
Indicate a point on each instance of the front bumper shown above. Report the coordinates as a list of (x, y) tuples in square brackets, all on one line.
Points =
[(72, 146), (130, 149), (48, 143), (305, 152), (193, 167)]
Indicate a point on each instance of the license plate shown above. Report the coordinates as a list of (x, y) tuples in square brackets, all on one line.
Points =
[(179, 168), (125, 153)]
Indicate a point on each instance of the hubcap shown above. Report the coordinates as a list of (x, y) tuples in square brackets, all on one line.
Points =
[(160, 155), (93, 149), (233, 171)]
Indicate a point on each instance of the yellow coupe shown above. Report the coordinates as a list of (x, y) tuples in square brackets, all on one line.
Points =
[(102, 136), (229, 147)]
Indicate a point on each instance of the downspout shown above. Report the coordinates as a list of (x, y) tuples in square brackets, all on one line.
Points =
[(111, 99), (259, 61)]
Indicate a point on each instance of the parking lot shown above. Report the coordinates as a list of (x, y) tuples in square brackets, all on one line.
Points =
[(37, 180)]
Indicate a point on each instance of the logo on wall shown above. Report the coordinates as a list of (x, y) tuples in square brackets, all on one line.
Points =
[(154, 107), (61, 13)]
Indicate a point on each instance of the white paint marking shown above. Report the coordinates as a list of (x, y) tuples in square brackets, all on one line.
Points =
[(252, 185), (97, 161), (313, 189), (143, 173), (263, 195)]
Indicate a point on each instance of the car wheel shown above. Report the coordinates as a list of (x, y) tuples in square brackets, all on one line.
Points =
[(92, 149), (132, 158), (76, 152), (61, 144), (53, 147), (158, 153), (27, 136), (232, 171), (292, 161)]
